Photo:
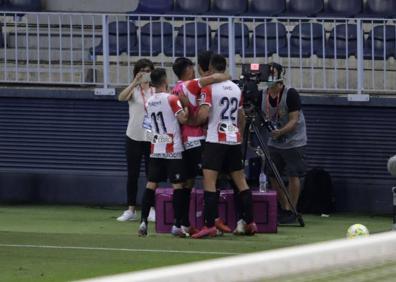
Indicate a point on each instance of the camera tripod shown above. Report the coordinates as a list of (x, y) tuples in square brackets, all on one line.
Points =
[(265, 155)]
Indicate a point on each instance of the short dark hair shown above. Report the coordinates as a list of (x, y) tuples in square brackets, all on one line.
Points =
[(141, 64), (204, 59), (180, 66), (158, 76), (218, 62)]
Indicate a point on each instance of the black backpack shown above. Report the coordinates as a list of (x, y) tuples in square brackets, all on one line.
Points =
[(317, 195)]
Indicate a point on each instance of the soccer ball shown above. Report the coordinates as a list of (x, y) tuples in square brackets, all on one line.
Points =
[(392, 165), (357, 230)]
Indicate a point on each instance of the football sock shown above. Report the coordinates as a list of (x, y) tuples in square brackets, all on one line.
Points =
[(186, 207), (147, 203), (210, 208), (246, 205)]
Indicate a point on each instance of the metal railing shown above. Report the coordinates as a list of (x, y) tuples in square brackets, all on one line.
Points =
[(338, 55)]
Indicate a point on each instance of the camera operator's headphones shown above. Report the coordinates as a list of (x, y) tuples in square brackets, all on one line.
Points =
[(277, 76)]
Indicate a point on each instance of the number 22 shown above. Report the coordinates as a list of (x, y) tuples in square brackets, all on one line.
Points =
[(227, 112)]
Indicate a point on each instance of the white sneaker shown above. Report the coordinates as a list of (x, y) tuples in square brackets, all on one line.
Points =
[(240, 228), (142, 231), (127, 215), (179, 232), (151, 216)]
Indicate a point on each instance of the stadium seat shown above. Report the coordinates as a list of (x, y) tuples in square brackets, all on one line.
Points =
[(151, 36), (154, 7), (1, 37), (381, 42), (266, 8), (342, 8), (265, 38), (192, 6), (118, 38), (24, 5), (342, 37), (220, 42), (304, 8), (190, 37), (306, 40), (227, 7), (379, 8)]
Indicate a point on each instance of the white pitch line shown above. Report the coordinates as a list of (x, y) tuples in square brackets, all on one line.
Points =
[(117, 249)]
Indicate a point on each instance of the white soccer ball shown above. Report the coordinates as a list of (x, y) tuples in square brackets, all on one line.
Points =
[(357, 230), (392, 165)]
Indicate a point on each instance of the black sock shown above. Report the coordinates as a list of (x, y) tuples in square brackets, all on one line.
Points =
[(246, 205), (217, 203), (237, 201), (147, 203), (186, 207), (178, 206), (210, 208)]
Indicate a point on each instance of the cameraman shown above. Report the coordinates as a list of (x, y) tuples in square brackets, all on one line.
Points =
[(282, 107)]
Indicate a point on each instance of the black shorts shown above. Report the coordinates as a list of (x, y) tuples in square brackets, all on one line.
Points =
[(160, 170), (222, 157), (289, 162), (192, 159)]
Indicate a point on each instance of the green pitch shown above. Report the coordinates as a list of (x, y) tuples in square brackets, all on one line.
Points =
[(63, 243)]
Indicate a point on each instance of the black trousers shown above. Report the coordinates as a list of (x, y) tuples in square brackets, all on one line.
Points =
[(135, 151)]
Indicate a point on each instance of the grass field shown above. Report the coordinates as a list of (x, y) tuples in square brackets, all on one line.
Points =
[(63, 243)]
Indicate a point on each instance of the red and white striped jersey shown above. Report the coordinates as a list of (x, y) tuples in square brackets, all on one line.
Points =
[(192, 90), (165, 135), (224, 100)]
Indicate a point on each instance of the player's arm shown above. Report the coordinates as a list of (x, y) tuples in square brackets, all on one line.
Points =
[(241, 120), (203, 113), (127, 93), (177, 108), (214, 78)]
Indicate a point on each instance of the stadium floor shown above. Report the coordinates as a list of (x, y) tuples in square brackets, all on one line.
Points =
[(63, 243)]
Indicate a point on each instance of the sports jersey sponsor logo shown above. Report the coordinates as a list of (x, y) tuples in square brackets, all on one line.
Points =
[(229, 128), (155, 138)]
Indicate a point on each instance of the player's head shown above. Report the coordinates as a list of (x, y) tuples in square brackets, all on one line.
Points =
[(158, 78), (184, 69), (218, 63), (203, 62), (144, 65)]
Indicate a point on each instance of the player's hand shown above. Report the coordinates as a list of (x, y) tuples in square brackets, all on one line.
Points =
[(275, 134)]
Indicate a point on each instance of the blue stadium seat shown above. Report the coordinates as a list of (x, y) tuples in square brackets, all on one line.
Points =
[(192, 6), (118, 38), (382, 39), (342, 37), (220, 41), (23, 5), (154, 7), (380, 8), (342, 8), (265, 38), (266, 8), (227, 7), (152, 35), (302, 44), (304, 8), (189, 37), (1, 36)]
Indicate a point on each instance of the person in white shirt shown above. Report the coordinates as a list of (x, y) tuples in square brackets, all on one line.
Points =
[(137, 145), (166, 114)]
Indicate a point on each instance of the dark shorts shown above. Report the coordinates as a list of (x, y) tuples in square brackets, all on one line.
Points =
[(289, 162), (192, 159), (221, 157), (160, 170)]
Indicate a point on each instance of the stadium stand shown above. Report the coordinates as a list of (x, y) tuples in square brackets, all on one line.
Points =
[(306, 40), (342, 8), (1, 37), (270, 8), (381, 42), (119, 33), (303, 8), (226, 7), (191, 37), (342, 42), (155, 37), (379, 8), (267, 39), (220, 42), (192, 6), (154, 7), (23, 5)]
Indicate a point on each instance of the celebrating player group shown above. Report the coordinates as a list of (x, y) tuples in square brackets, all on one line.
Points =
[(198, 125)]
